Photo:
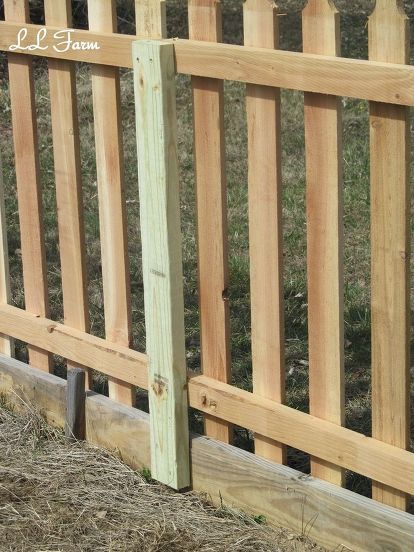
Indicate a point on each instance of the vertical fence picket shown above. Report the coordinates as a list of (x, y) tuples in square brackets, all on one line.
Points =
[(208, 112), (112, 206), (150, 18), (29, 193), (265, 223), (154, 79), (63, 102), (324, 234), (389, 39), (6, 342)]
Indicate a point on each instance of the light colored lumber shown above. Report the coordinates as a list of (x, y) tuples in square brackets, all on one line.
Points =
[(66, 144), (6, 342), (333, 517), (323, 143), (112, 206), (211, 193), (379, 461), (29, 192), (261, 28), (389, 39), (308, 72), (150, 19), (22, 385), (75, 404), (328, 441), (79, 347), (355, 78), (119, 428), (154, 77)]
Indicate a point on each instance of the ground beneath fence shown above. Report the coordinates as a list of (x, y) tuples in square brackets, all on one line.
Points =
[(56, 496)]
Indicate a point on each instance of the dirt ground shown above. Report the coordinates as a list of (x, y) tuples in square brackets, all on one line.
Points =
[(59, 497)]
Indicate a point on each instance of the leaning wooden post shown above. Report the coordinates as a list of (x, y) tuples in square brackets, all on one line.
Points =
[(154, 69)]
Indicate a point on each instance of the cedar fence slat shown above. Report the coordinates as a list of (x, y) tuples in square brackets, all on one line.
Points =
[(389, 38), (66, 149), (6, 342), (150, 19), (261, 28), (211, 189), (111, 194), (323, 144), (29, 192)]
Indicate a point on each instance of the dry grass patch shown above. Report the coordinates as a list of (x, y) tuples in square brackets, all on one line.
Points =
[(56, 496)]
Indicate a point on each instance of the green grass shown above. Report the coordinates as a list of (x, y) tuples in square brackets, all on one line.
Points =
[(356, 219)]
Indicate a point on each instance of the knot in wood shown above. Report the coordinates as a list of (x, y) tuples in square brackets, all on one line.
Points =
[(160, 386)]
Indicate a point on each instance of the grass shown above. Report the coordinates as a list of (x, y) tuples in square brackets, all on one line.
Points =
[(69, 497), (356, 219)]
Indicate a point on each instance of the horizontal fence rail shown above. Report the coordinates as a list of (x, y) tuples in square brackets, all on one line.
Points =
[(346, 448), (366, 80)]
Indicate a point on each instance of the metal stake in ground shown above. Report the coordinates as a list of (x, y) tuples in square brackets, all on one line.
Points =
[(75, 404)]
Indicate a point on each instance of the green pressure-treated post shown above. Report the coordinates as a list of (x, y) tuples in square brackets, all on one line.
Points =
[(154, 76)]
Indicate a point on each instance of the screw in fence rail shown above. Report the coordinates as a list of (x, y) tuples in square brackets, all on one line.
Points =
[(75, 404), (154, 77), (204, 24)]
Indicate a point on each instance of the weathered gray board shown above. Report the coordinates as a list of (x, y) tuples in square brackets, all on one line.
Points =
[(333, 517)]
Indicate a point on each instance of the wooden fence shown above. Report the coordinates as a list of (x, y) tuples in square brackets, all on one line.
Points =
[(258, 483)]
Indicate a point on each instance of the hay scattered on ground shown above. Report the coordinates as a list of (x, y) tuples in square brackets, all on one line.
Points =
[(56, 496)]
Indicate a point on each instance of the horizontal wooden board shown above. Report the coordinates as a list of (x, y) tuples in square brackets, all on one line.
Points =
[(85, 349), (372, 458), (355, 78), (320, 438), (333, 517)]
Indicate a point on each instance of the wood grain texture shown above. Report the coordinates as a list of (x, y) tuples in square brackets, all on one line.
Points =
[(211, 192), (150, 18), (307, 72), (112, 206), (333, 517), (6, 342), (29, 192), (326, 440), (79, 347), (367, 80), (66, 149), (154, 77), (390, 257), (261, 28), (75, 404), (323, 143), (22, 384)]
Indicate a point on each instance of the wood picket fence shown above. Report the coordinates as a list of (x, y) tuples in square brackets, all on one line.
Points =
[(261, 482)]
